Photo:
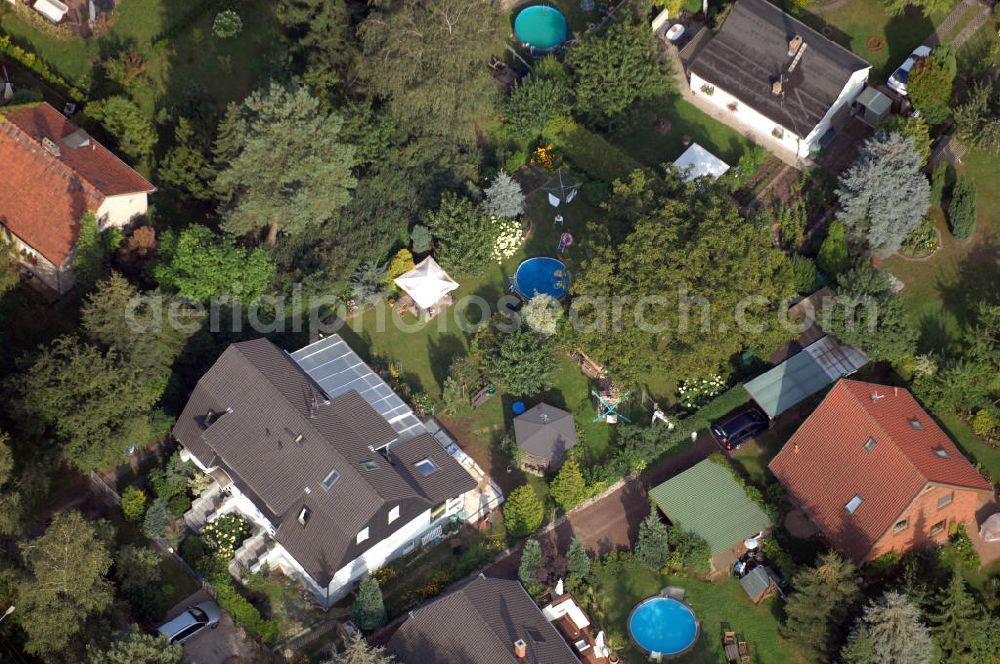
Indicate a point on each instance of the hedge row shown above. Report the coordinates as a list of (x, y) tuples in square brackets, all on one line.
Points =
[(242, 611), (185, 22), (30, 61), (588, 151)]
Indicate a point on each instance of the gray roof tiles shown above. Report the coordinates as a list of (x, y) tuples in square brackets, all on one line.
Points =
[(751, 50), (545, 431)]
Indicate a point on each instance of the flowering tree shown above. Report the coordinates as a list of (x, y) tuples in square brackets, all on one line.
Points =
[(696, 393), (542, 313), (224, 535), (227, 24), (509, 236)]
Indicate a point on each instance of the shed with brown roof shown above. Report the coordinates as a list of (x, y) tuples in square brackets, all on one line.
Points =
[(876, 473)]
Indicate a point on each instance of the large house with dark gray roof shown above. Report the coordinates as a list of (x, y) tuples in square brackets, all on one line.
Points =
[(486, 621), (775, 75), (333, 468)]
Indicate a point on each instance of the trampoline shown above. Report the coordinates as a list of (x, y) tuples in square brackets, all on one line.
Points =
[(663, 625), (541, 276), (540, 28)]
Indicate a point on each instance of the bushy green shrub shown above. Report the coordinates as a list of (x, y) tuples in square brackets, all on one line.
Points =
[(962, 209), (242, 611), (421, 239), (523, 512), (939, 180), (134, 504), (689, 551), (807, 279), (156, 520), (227, 24), (178, 505)]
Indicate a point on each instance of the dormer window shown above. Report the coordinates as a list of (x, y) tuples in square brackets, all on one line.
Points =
[(362, 536), (870, 444), (426, 466), (394, 514), (304, 515), (853, 504), (369, 465), (330, 479)]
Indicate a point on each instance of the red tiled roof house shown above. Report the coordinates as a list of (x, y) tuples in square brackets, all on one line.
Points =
[(53, 173), (876, 474)]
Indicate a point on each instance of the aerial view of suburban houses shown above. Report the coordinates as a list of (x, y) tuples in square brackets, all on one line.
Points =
[(499, 331)]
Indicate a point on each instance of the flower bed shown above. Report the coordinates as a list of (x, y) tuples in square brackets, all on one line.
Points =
[(922, 241)]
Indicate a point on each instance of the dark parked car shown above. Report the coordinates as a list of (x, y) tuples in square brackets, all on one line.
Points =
[(745, 423)]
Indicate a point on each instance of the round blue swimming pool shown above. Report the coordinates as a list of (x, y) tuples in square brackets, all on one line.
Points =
[(663, 625), (541, 27), (541, 276)]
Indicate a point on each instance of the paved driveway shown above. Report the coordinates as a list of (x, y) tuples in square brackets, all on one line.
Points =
[(214, 646)]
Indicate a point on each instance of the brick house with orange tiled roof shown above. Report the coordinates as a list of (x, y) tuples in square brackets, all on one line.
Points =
[(876, 474), (53, 175)]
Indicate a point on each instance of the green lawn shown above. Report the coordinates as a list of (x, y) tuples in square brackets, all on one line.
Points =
[(617, 591), (224, 70), (852, 24), (687, 123)]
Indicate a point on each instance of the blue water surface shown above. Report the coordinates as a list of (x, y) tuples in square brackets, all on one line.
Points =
[(541, 27), (541, 276), (663, 625)]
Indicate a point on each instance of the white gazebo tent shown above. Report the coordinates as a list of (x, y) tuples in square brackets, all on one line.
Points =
[(697, 162), (428, 286), (54, 10)]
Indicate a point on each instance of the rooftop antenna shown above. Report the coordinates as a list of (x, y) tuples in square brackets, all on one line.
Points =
[(876, 396)]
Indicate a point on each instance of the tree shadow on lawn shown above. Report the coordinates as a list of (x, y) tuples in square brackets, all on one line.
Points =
[(977, 279), (441, 353)]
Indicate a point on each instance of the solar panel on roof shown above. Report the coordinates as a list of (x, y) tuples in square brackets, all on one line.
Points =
[(337, 369)]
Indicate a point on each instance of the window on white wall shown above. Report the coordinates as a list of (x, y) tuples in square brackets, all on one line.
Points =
[(362, 536), (394, 514)]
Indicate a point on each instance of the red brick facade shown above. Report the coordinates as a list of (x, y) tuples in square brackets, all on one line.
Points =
[(930, 517)]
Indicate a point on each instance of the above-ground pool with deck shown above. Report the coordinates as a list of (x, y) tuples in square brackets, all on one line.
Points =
[(663, 625), (541, 28)]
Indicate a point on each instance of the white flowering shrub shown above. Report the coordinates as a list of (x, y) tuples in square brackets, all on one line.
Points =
[(696, 393), (542, 313), (509, 236), (227, 24), (224, 535)]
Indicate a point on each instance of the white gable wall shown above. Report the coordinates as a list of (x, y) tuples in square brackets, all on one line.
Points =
[(854, 86), (118, 211)]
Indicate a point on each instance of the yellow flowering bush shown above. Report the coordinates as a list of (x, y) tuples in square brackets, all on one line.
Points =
[(224, 535)]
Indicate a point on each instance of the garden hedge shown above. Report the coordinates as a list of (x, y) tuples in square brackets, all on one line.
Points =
[(962, 209), (588, 151), (31, 61)]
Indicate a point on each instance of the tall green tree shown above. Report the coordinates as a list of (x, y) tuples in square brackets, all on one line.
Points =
[(834, 257), (545, 95), (884, 194), (962, 209), (956, 621), (867, 312), (531, 560), (578, 561), (122, 118), (697, 283), (465, 235), (523, 512), (199, 264), (10, 275), (93, 247), (978, 119), (427, 58), (137, 571), (614, 69), (930, 84), (914, 127), (135, 647), (568, 487), (890, 631), (93, 405), (357, 651), (282, 164), (67, 585), (369, 609), (823, 598), (522, 364), (11, 511), (186, 166), (652, 548), (319, 37)]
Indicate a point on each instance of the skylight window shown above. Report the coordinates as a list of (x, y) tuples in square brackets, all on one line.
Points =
[(304, 515), (330, 479), (369, 465), (426, 466), (870, 444), (917, 424), (853, 504), (941, 453)]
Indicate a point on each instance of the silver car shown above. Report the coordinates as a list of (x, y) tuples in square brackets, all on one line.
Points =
[(901, 77), (192, 621)]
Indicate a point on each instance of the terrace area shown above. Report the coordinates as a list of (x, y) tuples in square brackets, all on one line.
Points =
[(569, 620)]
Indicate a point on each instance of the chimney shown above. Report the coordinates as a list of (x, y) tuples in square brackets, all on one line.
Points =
[(895, 391), (778, 87), (520, 649), (796, 448), (794, 44), (51, 147)]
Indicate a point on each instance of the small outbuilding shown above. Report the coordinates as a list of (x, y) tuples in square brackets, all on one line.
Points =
[(544, 434), (990, 530), (428, 288), (698, 162), (708, 501), (760, 582), (875, 106)]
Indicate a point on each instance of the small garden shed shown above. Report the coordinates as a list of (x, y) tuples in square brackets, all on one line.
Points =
[(708, 501), (544, 434)]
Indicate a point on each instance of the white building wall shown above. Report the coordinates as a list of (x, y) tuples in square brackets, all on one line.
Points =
[(748, 116), (120, 210), (850, 92)]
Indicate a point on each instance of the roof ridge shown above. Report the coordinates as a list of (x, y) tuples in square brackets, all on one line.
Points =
[(821, 35), (68, 171)]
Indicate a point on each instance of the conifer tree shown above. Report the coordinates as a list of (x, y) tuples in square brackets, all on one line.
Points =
[(823, 598), (956, 619)]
